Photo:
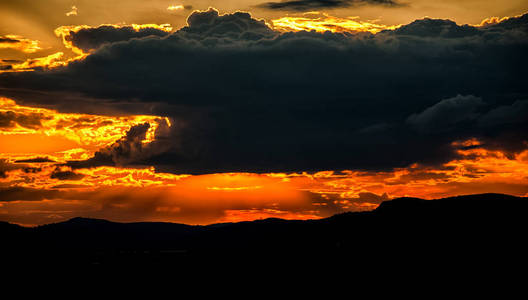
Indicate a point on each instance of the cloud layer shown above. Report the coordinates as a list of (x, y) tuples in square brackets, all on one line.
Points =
[(88, 39), (243, 97), (313, 5)]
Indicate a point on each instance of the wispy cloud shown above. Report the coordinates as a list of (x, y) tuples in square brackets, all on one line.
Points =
[(309, 5), (72, 12)]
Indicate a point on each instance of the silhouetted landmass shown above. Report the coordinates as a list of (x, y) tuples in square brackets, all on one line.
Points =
[(477, 229)]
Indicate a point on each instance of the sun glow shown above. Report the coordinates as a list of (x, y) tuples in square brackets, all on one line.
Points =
[(30, 179), (86, 133)]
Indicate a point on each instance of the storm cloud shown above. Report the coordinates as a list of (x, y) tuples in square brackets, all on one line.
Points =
[(89, 39), (243, 97), (447, 114), (9, 119), (35, 160)]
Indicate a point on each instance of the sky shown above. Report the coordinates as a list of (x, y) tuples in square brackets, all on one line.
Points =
[(202, 112)]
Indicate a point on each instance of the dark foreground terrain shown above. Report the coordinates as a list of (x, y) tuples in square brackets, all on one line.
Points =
[(478, 230)]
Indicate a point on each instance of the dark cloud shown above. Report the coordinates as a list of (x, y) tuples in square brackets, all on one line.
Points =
[(210, 29), (516, 114), (92, 38), (17, 193), (130, 149), (308, 5), (70, 186), (35, 160), (519, 23), (447, 114), (66, 175), (437, 28), (500, 128), (504, 127), (7, 64), (5, 167), (10, 119), (122, 152), (242, 97), (9, 40)]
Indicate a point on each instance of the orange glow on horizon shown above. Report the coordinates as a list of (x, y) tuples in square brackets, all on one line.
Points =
[(131, 194), (36, 142), (255, 214)]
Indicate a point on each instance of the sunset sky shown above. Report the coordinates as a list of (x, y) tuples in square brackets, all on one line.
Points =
[(201, 112)]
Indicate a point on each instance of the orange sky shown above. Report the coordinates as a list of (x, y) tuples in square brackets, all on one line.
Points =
[(36, 143), (44, 191)]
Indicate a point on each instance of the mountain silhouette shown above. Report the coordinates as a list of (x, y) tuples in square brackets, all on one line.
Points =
[(465, 229)]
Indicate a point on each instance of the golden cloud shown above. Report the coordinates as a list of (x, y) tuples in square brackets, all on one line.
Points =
[(81, 134), (19, 43), (72, 12), (322, 22), (175, 7), (59, 58), (35, 141), (132, 194), (64, 32)]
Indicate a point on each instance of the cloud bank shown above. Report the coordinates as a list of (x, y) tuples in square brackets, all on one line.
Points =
[(243, 97)]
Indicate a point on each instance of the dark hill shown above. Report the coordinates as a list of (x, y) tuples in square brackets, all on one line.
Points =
[(464, 229)]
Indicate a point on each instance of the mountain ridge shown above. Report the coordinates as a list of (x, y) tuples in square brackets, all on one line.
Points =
[(412, 229), (398, 201)]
